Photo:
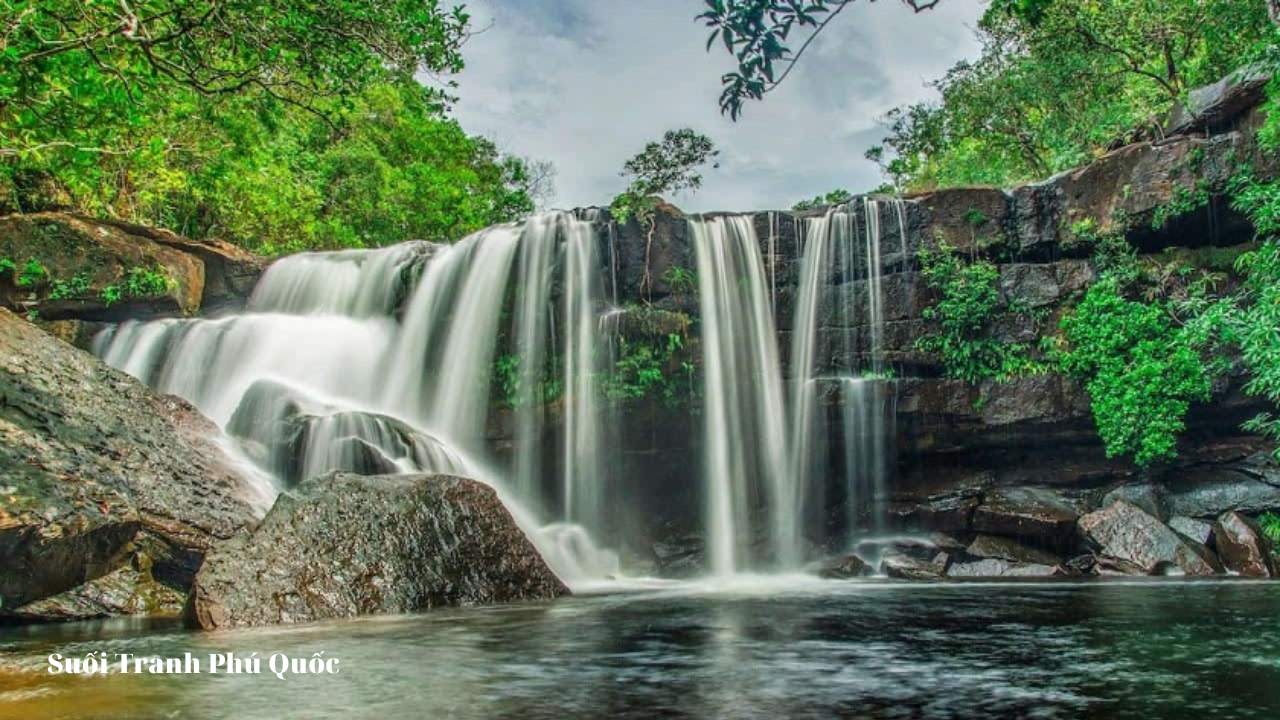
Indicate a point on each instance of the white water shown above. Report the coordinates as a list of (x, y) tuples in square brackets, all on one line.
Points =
[(323, 349), (750, 505), (843, 260), (319, 346)]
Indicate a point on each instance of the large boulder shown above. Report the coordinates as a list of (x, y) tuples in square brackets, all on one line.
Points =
[(71, 267), (100, 474), (298, 438), (1039, 516), (1243, 547), (1138, 540), (344, 545)]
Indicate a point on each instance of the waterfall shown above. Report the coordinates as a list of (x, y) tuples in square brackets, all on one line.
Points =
[(380, 361), (384, 361), (750, 507), (841, 294)]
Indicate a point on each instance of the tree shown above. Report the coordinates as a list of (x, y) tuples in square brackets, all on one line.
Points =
[(756, 33), (670, 165), (1060, 82), (839, 196)]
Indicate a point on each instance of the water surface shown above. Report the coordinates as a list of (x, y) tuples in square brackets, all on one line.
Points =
[(772, 650)]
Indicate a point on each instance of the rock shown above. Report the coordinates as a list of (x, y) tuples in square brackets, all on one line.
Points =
[(344, 545), (1243, 547), (944, 513), (1081, 565), (995, 567), (1251, 487), (1213, 107), (1008, 549), (125, 591), (1039, 515), (914, 562), (92, 269), (298, 438), (1127, 533), (844, 568), (1148, 496), (1198, 530), (100, 473)]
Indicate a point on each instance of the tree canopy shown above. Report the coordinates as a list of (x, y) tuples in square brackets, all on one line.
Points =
[(280, 125)]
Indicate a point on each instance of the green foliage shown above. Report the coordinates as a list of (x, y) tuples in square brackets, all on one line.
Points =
[(139, 282), (508, 377), (1184, 202), (1271, 526), (756, 32), (682, 281), (839, 196), (1142, 370), (7, 265), (969, 304), (76, 287), (651, 367), (282, 127), (669, 165), (33, 273), (1059, 82)]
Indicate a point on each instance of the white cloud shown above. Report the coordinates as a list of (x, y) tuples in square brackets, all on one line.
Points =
[(586, 83)]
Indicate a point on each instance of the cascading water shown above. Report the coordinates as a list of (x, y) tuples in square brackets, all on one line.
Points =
[(750, 507), (381, 361), (320, 374), (841, 295)]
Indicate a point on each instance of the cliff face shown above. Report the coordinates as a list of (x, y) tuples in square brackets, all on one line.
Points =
[(971, 451)]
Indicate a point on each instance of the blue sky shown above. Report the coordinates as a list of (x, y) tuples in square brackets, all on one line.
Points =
[(585, 83)]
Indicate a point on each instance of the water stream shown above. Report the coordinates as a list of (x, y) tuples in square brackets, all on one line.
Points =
[(383, 361)]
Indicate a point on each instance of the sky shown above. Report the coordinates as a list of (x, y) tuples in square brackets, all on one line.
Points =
[(586, 83)]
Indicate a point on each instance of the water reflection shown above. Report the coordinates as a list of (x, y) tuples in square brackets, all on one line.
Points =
[(1114, 650)]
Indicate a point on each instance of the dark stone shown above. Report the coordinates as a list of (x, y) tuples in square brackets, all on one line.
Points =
[(1243, 547), (1214, 107), (914, 561), (1002, 548), (125, 591), (844, 568), (946, 513), (1252, 487), (1148, 496), (101, 474), (1139, 541), (1039, 515), (996, 567), (345, 545), (1081, 565), (1198, 530)]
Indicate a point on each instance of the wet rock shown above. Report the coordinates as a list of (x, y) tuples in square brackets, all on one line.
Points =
[(1243, 547), (1039, 515), (996, 567), (1198, 530), (1213, 107), (124, 591), (1080, 565), (1140, 542), (844, 568), (947, 513), (100, 473), (1008, 549), (298, 438), (1148, 496), (914, 561), (344, 545), (1252, 487), (89, 265)]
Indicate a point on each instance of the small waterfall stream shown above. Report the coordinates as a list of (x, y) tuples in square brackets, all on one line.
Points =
[(382, 361)]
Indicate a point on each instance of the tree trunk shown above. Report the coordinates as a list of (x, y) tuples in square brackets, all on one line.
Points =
[(1273, 9)]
